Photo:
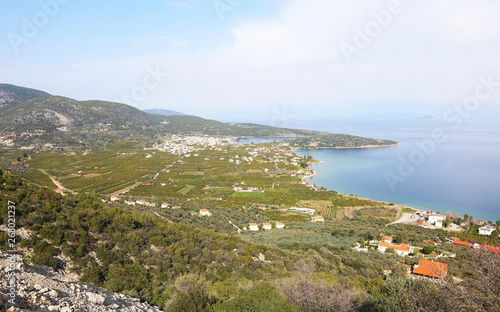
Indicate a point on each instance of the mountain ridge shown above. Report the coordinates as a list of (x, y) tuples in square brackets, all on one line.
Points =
[(11, 94), (163, 112)]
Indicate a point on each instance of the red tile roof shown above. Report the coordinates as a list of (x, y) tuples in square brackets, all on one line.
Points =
[(403, 247), (430, 268)]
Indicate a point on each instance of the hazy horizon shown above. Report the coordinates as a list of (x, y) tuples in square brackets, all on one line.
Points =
[(260, 61)]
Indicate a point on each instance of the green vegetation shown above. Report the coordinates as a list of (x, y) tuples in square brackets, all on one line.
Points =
[(204, 179), (181, 267), (186, 189), (338, 141)]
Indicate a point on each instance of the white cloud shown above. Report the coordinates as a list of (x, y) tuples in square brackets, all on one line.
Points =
[(432, 52)]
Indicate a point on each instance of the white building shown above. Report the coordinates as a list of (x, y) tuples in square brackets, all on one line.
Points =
[(205, 212), (280, 225), (267, 226), (318, 219), (303, 210), (433, 219), (486, 230), (253, 227)]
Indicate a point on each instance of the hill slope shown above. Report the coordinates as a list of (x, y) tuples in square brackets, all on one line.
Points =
[(339, 141), (163, 112), (197, 125), (11, 95), (35, 118)]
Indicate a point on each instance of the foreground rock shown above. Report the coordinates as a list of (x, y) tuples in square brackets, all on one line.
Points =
[(41, 289)]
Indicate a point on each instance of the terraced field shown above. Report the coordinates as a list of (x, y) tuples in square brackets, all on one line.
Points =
[(207, 177)]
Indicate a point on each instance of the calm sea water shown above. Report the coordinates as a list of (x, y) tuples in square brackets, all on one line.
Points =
[(458, 171)]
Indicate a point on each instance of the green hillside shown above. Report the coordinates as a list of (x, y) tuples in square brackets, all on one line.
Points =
[(339, 141)]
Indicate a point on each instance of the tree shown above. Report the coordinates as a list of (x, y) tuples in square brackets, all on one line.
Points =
[(190, 294), (402, 294), (262, 297), (427, 250), (494, 234), (320, 295), (400, 237), (447, 222)]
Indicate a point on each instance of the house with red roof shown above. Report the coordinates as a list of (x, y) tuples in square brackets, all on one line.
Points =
[(458, 242), (430, 268), (402, 250), (386, 239)]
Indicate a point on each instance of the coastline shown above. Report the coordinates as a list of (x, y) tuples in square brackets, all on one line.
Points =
[(340, 147)]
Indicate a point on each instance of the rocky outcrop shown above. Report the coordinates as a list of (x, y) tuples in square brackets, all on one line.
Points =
[(39, 288)]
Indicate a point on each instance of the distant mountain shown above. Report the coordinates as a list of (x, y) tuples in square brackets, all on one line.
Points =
[(164, 112), (55, 113), (63, 122), (35, 118), (200, 126), (11, 95)]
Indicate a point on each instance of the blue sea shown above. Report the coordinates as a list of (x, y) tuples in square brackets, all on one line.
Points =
[(437, 166)]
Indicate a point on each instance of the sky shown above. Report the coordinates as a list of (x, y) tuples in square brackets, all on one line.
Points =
[(262, 61)]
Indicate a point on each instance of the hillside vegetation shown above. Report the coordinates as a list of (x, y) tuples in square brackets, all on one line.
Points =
[(183, 268), (35, 118), (338, 141)]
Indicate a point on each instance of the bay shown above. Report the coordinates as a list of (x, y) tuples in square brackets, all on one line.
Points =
[(459, 172)]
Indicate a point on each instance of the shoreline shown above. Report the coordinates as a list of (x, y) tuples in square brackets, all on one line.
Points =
[(339, 147)]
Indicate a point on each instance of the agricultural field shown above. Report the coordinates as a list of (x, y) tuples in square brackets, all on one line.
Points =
[(226, 176)]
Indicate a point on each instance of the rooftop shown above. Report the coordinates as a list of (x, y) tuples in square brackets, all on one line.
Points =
[(430, 268)]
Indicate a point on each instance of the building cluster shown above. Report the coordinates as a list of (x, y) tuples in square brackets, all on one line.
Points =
[(310, 185), (266, 226), (248, 189), (64, 191), (303, 210), (182, 145), (6, 140), (145, 203), (456, 241)]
